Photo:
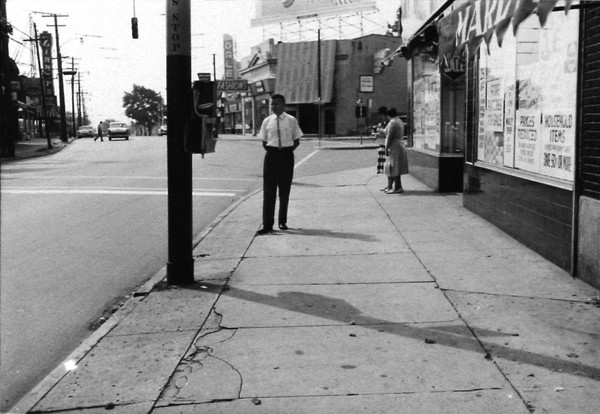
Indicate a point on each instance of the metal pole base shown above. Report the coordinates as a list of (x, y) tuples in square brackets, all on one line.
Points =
[(181, 273)]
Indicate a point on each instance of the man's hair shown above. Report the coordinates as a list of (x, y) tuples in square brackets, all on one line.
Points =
[(278, 96), (382, 110), (392, 112)]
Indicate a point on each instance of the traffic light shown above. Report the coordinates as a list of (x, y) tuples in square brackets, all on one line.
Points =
[(134, 27)]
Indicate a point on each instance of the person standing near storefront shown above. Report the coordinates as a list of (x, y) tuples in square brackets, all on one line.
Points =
[(380, 139), (396, 161), (280, 135)]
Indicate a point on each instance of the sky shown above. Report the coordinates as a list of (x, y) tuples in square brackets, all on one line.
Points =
[(97, 34)]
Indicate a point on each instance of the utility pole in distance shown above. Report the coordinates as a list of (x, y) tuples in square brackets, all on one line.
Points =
[(180, 264), (61, 88)]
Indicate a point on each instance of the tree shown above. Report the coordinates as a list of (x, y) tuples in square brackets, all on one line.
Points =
[(143, 105)]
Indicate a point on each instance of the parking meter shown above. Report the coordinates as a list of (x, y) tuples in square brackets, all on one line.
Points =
[(200, 133)]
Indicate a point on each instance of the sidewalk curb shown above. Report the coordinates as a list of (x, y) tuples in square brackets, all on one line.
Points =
[(28, 402)]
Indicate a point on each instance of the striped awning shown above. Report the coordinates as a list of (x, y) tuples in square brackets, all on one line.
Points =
[(298, 72)]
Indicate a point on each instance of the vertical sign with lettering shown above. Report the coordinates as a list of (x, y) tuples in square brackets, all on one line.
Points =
[(228, 56), (178, 28), (46, 44), (527, 140), (481, 131), (557, 141), (509, 126)]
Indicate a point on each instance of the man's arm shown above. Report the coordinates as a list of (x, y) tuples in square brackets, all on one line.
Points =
[(296, 144)]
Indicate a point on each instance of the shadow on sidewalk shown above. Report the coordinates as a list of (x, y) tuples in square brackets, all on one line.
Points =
[(450, 336), (332, 234)]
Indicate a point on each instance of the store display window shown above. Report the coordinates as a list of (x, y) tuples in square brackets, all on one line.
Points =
[(527, 99)]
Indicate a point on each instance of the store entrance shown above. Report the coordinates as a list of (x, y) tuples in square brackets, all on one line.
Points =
[(308, 118)]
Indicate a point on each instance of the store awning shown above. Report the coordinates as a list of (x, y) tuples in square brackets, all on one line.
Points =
[(478, 20), (298, 72)]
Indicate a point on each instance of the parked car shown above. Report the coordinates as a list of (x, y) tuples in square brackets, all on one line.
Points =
[(86, 131), (162, 130), (118, 130)]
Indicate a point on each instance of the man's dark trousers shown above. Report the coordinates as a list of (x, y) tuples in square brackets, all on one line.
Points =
[(278, 172)]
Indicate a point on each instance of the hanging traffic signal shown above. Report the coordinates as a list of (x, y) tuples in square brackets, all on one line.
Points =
[(134, 27)]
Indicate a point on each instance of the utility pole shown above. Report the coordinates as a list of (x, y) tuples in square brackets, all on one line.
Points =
[(72, 73), (180, 264), (61, 89), (79, 99)]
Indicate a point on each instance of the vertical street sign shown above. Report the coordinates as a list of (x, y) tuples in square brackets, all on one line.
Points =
[(180, 264)]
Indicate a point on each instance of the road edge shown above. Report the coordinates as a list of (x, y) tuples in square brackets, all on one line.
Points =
[(28, 402)]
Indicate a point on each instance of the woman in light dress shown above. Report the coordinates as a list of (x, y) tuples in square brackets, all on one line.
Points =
[(396, 160)]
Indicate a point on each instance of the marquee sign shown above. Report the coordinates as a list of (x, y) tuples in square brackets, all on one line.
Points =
[(477, 20)]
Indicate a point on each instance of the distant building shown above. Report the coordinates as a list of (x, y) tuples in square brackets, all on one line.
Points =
[(292, 69)]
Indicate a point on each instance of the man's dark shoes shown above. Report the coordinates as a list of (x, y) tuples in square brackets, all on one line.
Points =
[(283, 226), (263, 231)]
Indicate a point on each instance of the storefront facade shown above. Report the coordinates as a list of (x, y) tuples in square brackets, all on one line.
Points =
[(292, 69), (531, 150)]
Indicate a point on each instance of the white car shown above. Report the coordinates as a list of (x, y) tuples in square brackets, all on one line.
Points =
[(118, 130)]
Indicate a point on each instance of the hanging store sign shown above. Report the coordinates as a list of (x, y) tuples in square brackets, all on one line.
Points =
[(478, 20)]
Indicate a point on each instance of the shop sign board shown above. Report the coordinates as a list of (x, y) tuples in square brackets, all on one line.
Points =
[(366, 83), (237, 85), (475, 21)]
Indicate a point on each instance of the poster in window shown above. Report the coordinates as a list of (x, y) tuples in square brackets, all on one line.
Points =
[(509, 126), (557, 143), (481, 130), (527, 140), (494, 106)]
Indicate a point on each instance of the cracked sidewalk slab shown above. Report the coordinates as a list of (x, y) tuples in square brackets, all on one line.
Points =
[(329, 305), (475, 401), (120, 370), (348, 269), (341, 360), (548, 349)]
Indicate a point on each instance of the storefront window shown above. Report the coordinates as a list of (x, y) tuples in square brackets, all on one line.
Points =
[(527, 98), (426, 104)]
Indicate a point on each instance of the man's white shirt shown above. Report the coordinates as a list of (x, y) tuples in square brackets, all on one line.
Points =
[(288, 130)]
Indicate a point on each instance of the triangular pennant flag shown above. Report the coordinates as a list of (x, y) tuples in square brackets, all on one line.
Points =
[(568, 6), (524, 10), (501, 29), (544, 9)]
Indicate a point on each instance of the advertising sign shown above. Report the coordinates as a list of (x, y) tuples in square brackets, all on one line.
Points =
[(228, 56), (527, 140), (557, 143), (239, 85), (275, 12), (494, 111), (47, 69), (509, 126)]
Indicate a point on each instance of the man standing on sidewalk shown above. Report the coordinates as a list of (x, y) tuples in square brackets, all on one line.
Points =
[(99, 132), (280, 134)]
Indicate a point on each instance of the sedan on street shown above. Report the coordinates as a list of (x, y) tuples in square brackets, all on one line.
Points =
[(162, 130), (86, 131), (118, 130)]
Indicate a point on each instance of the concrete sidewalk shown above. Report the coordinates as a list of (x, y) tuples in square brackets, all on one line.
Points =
[(370, 303)]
